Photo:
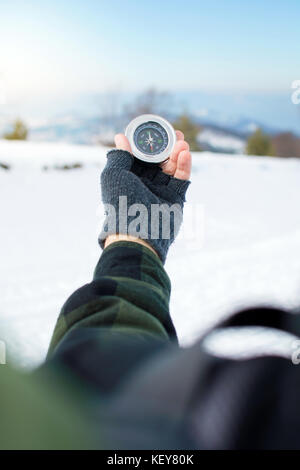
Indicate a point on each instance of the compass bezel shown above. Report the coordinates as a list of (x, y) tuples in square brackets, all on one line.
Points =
[(143, 119)]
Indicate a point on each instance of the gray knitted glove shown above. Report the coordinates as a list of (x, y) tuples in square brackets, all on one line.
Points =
[(142, 201)]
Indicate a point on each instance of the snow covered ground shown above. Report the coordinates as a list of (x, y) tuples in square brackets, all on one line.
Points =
[(49, 222)]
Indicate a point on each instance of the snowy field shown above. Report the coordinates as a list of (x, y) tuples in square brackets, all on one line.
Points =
[(247, 251)]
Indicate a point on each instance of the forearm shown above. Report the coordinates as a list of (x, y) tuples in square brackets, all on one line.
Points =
[(118, 237), (130, 292)]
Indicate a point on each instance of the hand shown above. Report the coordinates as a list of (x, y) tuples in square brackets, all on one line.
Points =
[(179, 163), (156, 193)]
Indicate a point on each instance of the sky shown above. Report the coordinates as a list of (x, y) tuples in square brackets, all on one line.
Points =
[(52, 47)]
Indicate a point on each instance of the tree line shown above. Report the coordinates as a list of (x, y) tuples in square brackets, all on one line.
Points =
[(285, 144)]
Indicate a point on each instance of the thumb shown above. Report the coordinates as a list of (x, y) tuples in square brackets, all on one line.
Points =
[(121, 157), (122, 143)]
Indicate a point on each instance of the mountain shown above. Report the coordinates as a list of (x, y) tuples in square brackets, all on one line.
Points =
[(78, 130), (226, 119), (215, 139)]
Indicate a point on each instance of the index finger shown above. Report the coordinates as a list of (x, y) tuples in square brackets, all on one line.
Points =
[(179, 135)]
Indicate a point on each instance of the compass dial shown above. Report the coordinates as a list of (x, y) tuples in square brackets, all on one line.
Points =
[(151, 138)]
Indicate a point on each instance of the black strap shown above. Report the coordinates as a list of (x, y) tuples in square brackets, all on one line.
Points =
[(264, 317)]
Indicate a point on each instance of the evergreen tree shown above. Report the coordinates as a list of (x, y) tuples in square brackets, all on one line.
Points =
[(259, 144), (19, 132), (185, 124)]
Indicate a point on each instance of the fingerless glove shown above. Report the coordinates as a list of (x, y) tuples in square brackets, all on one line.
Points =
[(141, 200)]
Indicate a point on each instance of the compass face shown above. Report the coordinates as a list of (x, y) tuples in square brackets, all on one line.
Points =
[(151, 138)]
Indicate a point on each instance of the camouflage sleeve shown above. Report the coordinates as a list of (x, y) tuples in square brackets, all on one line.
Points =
[(130, 292)]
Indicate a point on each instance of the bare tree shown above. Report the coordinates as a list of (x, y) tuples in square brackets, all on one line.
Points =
[(111, 120), (115, 117), (286, 144), (150, 101)]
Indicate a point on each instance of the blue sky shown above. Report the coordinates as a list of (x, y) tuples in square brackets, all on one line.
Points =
[(53, 47)]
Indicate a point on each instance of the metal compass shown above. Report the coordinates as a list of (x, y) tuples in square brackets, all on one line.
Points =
[(152, 138)]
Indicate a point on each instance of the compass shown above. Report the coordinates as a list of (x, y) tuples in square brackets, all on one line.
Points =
[(152, 138)]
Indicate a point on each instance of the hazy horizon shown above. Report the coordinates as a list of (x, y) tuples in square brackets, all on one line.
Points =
[(224, 60), (273, 110)]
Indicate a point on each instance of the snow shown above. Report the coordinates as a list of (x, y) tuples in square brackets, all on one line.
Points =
[(246, 251)]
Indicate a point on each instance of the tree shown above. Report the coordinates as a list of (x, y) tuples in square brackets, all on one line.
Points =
[(185, 124), (112, 120), (150, 101), (259, 143), (19, 132), (286, 144)]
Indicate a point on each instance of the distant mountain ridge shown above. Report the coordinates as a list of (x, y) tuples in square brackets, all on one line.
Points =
[(78, 130), (226, 119)]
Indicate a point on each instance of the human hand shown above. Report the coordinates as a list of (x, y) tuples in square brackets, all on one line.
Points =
[(179, 163), (152, 191)]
